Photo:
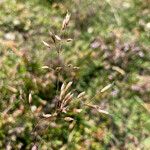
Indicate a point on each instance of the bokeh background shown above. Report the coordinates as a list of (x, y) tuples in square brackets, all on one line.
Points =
[(111, 41)]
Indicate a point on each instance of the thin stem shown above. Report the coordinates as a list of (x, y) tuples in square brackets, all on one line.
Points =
[(58, 75)]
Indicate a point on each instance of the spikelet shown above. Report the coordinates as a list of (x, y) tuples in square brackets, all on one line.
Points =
[(92, 106), (102, 111), (63, 87), (68, 119), (52, 36), (45, 67), (81, 95), (66, 97), (68, 86), (47, 115), (66, 21), (57, 37), (67, 101), (12, 89), (62, 92), (77, 110), (106, 88), (69, 40), (118, 69), (97, 108), (46, 44), (30, 98)]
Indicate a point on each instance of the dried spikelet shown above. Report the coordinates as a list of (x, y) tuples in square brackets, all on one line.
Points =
[(75, 68), (46, 44), (45, 67), (77, 110), (102, 111), (72, 124), (30, 98), (68, 86), (66, 21), (68, 99), (68, 119), (52, 37), (12, 89), (57, 37), (92, 106), (106, 88), (50, 33), (82, 94), (64, 90), (63, 87), (97, 108), (118, 69), (62, 93), (69, 40), (47, 115)]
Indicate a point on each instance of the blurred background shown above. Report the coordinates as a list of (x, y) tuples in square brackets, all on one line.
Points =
[(111, 41)]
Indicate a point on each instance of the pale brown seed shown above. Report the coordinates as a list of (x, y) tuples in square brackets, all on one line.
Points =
[(66, 97), (68, 85), (106, 88), (30, 98), (67, 101), (69, 40), (81, 95), (68, 119), (77, 110), (12, 89), (46, 44), (57, 37), (63, 87), (92, 106), (64, 90), (102, 111), (118, 69), (45, 67), (50, 33), (52, 37), (47, 115), (62, 93), (97, 108), (66, 21)]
